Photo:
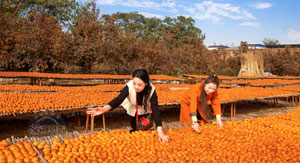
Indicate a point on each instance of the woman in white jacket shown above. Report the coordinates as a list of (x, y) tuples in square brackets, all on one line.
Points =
[(139, 91)]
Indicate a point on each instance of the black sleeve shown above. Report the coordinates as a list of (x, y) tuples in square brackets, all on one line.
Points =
[(155, 111), (120, 98)]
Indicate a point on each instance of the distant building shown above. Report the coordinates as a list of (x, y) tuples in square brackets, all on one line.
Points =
[(256, 46), (215, 47), (283, 46)]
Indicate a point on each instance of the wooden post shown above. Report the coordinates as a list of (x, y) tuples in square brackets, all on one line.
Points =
[(103, 118), (223, 109), (75, 119), (78, 119), (92, 124), (87, 122), (234, 104), (231, 110), (293, 99)]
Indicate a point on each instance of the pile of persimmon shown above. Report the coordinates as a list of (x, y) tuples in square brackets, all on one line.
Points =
[(24, 98), (264, 82), (205, 76), (23, 88), (98, 88), (163, 77), (21, 152), (78, 76), (292, 88), (249, 93), (282, 77), (28, 102), (171, 86), (35, 88), (266, 139), (169, 96)]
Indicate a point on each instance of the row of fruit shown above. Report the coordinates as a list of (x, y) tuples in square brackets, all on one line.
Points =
[(265, 139), (98, 88), (251, 93), (264, 82), (20, 152), (292, 88), (68, 98), (78, 76), (241, 77), (205, 76)]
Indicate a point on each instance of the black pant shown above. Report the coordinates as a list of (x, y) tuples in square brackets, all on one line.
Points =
[(133, 121), (199, 116)]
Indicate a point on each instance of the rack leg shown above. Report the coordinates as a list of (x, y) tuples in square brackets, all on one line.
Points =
[(234, 109), (92, 124), (103, 118), (87, 122), (231, 110)]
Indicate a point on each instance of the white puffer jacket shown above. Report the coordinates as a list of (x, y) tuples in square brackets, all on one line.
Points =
[(129, 104)]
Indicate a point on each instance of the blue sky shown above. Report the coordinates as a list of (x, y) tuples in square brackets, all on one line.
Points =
[(226, 22)]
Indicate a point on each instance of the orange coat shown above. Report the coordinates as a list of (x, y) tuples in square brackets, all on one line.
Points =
[(191, 100)]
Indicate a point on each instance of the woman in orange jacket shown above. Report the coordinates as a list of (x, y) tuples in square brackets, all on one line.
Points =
[(194, 106)]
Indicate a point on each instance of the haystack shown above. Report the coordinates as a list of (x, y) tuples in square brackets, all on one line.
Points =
[(252, 62)]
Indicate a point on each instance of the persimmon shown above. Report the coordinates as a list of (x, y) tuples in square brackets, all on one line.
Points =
[(4, 143), (40, 146), (19, 161), (35, 143)]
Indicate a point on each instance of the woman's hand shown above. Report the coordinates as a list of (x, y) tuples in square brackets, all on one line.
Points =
[(219, 123), (161, 136), (96, 111), (196, 127)]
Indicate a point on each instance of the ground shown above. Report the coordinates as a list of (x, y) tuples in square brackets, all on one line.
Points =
[(118, 119)]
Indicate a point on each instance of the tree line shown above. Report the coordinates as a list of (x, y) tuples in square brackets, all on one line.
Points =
[(66, 37)]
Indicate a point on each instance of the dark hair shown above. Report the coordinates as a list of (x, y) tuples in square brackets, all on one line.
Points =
[(143, 75), (213, 78)]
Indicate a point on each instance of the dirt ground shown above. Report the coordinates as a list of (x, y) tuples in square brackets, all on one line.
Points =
[(118, 119)]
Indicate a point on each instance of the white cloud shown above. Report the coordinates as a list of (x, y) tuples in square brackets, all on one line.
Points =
[(261, 5), (189, 10), (206, 10), (294, 35), (173, 10), (150, 15), (168, 3), (251, 24), (216, 11), (248, 15), (107, 2), (138, 3), (213, 18)]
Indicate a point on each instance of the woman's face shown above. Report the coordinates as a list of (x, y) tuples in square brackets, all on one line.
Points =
[(210, 88), (138, 84)]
